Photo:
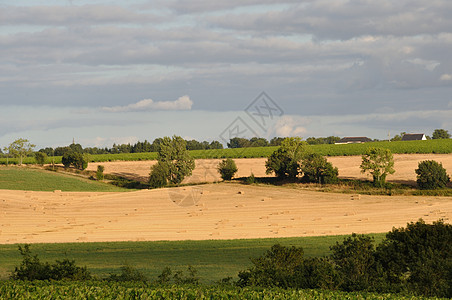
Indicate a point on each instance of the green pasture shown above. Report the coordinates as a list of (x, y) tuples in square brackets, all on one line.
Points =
[(214, 259), (19, 178)]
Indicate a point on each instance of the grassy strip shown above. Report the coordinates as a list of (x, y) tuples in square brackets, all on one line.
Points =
[(14, 178), (214, 259), (110, 290)]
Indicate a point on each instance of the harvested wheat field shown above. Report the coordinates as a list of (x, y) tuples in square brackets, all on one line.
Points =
[(206, 171), (211, 211)]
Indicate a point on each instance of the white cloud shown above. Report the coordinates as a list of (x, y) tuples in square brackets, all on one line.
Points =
[(183, 103), (290, 126), (446, 77)]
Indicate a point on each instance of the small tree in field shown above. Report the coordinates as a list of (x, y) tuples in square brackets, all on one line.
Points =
[(227, 169), (41, 158), (20, 148), (379, 162), (431, 175), (100, 172), (174, 162)]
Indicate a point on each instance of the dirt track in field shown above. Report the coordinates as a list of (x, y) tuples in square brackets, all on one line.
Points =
[(214, 211)]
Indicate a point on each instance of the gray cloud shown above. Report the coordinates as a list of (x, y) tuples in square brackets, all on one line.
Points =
[(183, 103)]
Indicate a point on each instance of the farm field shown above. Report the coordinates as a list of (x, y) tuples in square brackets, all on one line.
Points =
[(206, 169), (211, 211), (406, 147), (106, 290), (15, 178), (213, 259)]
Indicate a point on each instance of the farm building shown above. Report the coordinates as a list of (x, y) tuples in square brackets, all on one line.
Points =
[(414, 137), (354, 140)]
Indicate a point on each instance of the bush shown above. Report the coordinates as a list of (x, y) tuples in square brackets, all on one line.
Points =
[(227, 169), (419, 258), (78, 160), (31, 268), (128, 273), (100, 172), (355, 261), (41, 158), (317, 169), (431, 175), (178, 276), (158, 176)]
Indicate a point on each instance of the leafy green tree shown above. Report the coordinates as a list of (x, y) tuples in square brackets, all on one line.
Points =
[(78, 160), (174, 161), (41, 158), (440, 134), (159, 175), (419, 258), (355, 260), (316, 168), (276, 268), (227, 168), (276, 141), (431, 175), (285, 161), (258, 142), (20, 148), (379, 162)]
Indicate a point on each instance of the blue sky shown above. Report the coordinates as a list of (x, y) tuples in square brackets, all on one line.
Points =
[(107, 72)]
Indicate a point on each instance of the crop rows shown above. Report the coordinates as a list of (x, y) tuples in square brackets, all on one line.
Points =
[(408, 147), (109, 290)]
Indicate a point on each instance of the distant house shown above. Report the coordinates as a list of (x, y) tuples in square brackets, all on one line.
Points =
[(414, 137), (354, 140)]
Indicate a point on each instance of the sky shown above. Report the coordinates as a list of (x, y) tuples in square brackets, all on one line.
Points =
[(104, 72)]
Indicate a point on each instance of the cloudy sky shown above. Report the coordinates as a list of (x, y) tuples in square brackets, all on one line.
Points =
[(105, 72)]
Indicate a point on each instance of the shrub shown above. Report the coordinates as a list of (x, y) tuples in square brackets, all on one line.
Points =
[(227, 169), (78, 160), (31, 268), (100, 172), (355, 261), (431, 175), (178, 276), (41, 158), (158, 176), (419, 258), (317, 169), (128, 273)]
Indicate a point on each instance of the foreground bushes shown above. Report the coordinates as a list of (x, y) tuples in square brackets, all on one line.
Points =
[(415, 259)]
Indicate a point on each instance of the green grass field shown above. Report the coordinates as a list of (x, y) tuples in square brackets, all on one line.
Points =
[(408, 147), (14, 178), (214, 259)]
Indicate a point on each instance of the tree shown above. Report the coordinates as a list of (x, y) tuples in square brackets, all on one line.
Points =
[(174, 161), (316, 168), (41, 158), (285, 161), (227, 169), (379, 162), (238, 142), (440, 134), (431, 175), (78, 160), (20, 148), (100, 172)]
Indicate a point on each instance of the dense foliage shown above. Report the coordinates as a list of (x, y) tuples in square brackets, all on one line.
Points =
[(415, 259), (431, 175), (285, 161), (75, 159), (317, 169), (227, 169)]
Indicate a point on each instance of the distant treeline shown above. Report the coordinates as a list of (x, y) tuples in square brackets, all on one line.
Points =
[(146, 146)]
